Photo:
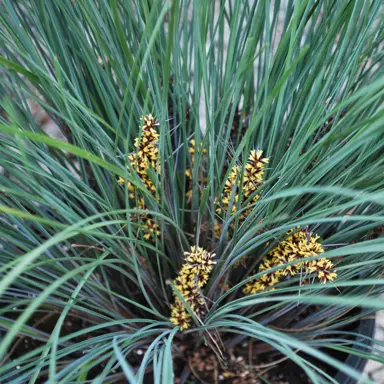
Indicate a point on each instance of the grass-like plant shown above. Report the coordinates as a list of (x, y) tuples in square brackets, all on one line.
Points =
[(213, 208)]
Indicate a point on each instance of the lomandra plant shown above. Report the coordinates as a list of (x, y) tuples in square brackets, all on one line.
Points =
[(212, 207)]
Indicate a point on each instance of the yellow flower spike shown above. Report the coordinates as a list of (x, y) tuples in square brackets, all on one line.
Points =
[(193, 275), (252, 179), (145, 157), (296, 246), (147, 154)]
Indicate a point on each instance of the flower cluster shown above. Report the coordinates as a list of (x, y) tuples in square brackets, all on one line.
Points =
[(193, 276), (150, 228), (297, 246), (252, 179), (145, 157)]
